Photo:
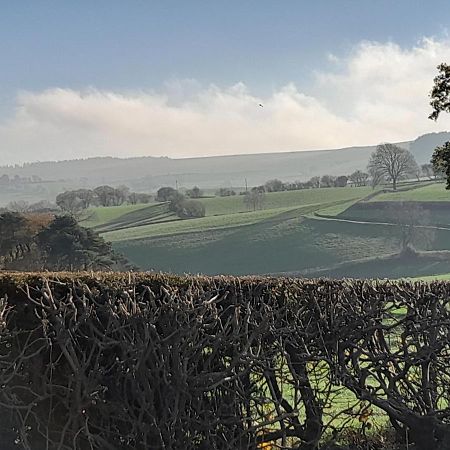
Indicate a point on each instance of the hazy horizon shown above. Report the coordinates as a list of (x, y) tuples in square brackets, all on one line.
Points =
[(211, 156), (181, 81)]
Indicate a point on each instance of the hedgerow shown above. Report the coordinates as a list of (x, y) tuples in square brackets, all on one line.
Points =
[(140, 361)]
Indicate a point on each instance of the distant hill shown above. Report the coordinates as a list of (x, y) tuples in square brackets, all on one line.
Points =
[(149, 173), (423, 146)]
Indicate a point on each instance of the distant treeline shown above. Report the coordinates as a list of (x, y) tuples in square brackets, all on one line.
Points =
[(6, 180), (79, 199), (358, 178)]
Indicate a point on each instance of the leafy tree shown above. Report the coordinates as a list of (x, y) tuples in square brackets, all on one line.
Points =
[(65, 245), (69, 202), (134, 198), (441, 161), (189, 209), (440, 102), (327, 181), (73, 201), (4, 179), (176, 199), (314, 182), (165, 194), (17, 234), (341, 181), (440, 93), (225, 192), (274, 185), (12, 231), (43, 206), (391, 162), (195, 192)]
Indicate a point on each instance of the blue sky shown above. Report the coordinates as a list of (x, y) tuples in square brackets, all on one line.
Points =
[(139, 44), (124, 47)]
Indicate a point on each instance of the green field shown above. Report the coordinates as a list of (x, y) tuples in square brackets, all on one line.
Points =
[(106, 219), (286, 199), (435, 192), (287, 236), (434, 213), (440, 277), (95, 217)]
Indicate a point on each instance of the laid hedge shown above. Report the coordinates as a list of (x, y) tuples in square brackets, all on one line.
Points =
[(139, 361)]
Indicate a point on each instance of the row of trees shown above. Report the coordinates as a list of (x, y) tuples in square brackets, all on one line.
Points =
[(23, 206), (276, 185), (5, 179), (388, 163), (79, 199)]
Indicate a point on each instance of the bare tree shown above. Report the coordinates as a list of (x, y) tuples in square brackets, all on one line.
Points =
[(359, 178), (20, 206), (254, 199), (428, 171), (392, 162), (413, 225)]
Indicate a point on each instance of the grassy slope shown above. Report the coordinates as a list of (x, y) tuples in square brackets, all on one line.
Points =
[(431, 193), (210, 223), (287, 199), (128, 216), (270, 246), (436, 213), (280, 238), (393, 267), (443, 277), (192, 225), (99, 216)]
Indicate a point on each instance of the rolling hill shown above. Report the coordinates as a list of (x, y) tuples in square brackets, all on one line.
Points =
[(150, 173), (317, 232)]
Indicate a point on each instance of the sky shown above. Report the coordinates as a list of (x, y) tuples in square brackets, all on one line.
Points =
[(187, 78)]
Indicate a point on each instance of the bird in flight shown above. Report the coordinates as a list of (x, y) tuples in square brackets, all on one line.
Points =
[(262, 106)]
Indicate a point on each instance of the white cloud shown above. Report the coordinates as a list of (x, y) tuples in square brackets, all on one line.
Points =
[(379, 92)]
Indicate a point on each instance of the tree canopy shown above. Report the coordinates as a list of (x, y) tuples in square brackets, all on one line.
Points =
[(42, 241), (440, 102), (441, 161), (440, 93)]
